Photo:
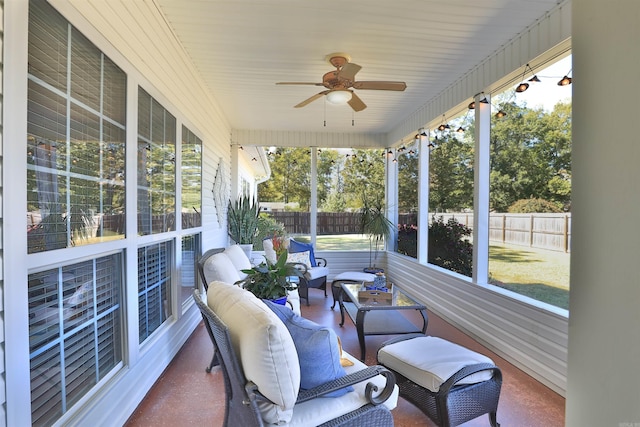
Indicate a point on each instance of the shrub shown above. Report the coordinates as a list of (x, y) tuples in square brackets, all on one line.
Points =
[(533, 205), (448, 246), (408, 240), (267, 227)]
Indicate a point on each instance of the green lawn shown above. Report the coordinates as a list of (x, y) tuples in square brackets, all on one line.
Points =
[(537, 273), (340, 242)]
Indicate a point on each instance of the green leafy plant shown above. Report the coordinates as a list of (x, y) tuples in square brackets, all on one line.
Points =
[(243, 216), (375, 224), (270, 280), (534, 205), (408, 240), (449, 246)]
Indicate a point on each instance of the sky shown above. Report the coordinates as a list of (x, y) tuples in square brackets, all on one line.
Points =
[(547, 93)]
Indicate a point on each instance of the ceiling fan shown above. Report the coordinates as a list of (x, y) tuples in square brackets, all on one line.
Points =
[(341, 82)]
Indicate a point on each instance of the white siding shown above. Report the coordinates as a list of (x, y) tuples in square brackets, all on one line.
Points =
[(151, 57), (532, 338)]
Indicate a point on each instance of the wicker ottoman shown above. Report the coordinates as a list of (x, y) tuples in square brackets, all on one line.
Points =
[(449, 383)]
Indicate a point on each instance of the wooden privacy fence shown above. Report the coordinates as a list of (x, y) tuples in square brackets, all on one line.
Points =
[(539, 230)]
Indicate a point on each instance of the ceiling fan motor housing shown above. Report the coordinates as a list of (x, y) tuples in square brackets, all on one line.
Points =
[(332, 80)]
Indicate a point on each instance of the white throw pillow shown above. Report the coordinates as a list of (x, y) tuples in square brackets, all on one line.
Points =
[(239, 259), (218, 267), (269, 252), (300, 257), (264, 346)]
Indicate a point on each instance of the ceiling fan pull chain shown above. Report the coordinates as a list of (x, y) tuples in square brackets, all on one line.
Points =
[(325, 112)]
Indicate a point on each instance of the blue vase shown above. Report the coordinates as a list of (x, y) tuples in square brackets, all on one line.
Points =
[(281, 300), (379, 281)]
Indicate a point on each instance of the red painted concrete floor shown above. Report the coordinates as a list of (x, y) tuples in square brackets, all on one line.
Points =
[(186, 395)]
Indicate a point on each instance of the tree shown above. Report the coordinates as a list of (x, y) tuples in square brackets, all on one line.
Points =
[(451, 172), (363, 177), (328, 164), (530, 155), (290, 177), (408, 182)]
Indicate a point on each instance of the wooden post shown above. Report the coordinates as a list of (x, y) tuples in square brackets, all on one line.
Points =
[(531, 232), (566, 233)]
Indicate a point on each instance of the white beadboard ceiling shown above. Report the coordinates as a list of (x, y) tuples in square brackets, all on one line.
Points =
[(243, 47)]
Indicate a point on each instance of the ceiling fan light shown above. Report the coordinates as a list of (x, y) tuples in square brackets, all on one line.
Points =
[(339, 97)]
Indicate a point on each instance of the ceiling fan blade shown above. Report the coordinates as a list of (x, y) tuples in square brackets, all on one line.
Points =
[(299, 83), (348, 71), (399, 86), (313, 98), (356, 103)]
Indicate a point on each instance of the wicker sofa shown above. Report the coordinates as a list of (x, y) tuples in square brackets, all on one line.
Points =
[(225, 265), (262, 367)]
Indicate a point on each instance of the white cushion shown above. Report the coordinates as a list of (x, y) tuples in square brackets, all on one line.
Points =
[(317, 411), (430, 361), (315, 272), (269, 252), (356, 276), (300, 258), (293, 300), (239, 259), (218, 267), (264, 346)]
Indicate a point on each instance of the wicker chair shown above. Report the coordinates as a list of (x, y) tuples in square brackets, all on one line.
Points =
[(243, 397), (227, 269), (205, 283), (312, 277)]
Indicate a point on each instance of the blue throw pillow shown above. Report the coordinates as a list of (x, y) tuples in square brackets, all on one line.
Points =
[(317, 348), (295, 247)]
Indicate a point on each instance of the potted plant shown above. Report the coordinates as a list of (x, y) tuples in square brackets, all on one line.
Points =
[(270, 280), (375, 224), (242, 217)]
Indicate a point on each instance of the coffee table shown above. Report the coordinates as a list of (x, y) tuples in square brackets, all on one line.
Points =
[(379, 313)]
